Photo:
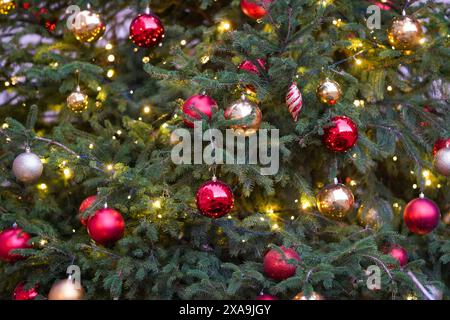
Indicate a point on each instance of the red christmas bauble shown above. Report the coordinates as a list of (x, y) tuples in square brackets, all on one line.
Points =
[(383, 5), (249, 66), (341, 135), (399, 254), (106, 226), (440, 144), (196, 105), (266, 297), (276, 265), (146, 30), (12, 239), (421, 216), (21, 294), (255, 9), (214, 199), (84, 206)]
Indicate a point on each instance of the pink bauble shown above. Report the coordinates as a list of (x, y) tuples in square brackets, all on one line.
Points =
[(214, 199), (21, 294), (106, 226), (421, 216), (12, 239), (266, 297), (146, 30), (276, 265), (399, 254), (196, 105)]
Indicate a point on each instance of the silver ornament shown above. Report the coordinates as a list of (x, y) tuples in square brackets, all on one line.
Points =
[(27, 167), (442, 162)]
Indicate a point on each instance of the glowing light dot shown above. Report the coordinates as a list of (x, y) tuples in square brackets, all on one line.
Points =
[(292, 217), (183, 42), (156, 204), (389, 88), (395, 158), (428, 183), (5, 126), (129, 197), (224, 26), (67, 173), (146, 109), (358, 62), (42, 187), (159, 216), (110, 73), (415, 186), (275, 227), (262, 219), (204, 59), (119, 132), (99, 88), (145, 59), (111, 58), (109, 167), (91, 146), (43, 242), (426, 173), (7, 84), (439, 186), (108, 46), (396, 205)]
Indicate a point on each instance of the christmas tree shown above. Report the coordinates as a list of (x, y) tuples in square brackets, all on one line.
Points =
[(274, 149)]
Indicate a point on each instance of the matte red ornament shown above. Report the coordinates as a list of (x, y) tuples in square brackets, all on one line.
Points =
[(84, 206), (106, 226), (440, 144), (399, 254), (421, 216), (20, 293), (196, 105), (266, 297), (276, 265), (255, 9), (12, 239), (249, 66), (146, 30), (342, 135), (214, 199)]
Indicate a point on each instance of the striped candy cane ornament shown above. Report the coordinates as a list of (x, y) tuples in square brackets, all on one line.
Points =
[(294, 100)]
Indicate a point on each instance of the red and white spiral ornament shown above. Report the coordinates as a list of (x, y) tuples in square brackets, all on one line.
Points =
[(294, 100)]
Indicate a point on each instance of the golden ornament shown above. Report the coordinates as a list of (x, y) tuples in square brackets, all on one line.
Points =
[(66, 290), (405, 33), (335, 201), (329, 92), (369, 218), (77, 101), (6, 6), (313, 296), (241, 109), (87, 26)]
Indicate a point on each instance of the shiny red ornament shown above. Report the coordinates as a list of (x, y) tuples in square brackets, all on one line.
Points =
[(421, 216), (249, 66), (276, 265), (20, 293), (399, 254), (84, 206), (146, 30), (196, 105), (12, 239), (255, 9), (214, 199), (385, 5), (106, 226), (342, 135), (266, 297), (440, 144)]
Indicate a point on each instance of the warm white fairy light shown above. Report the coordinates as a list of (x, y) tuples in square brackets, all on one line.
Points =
[(110, 73), (111, 58), (91, 146), (156, 204), (108, 46), (389, 88), (109, 167), (146, 109)]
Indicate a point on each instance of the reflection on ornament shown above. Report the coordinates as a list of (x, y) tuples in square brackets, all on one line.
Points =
[(87, 26), (66, 290), (77, 101), (335, 201), (329, 92), (405, 33), (313, 296), (6, 6), (244, 109)]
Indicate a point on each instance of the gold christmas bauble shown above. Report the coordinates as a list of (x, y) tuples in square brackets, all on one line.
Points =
[(405, 33), (313, 296), (442, 162), (27, 167), (335, 201), (87, 26), (369, 218), (6, 6), (77, 101), (66, 290), (329, 92), (241, 109)]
